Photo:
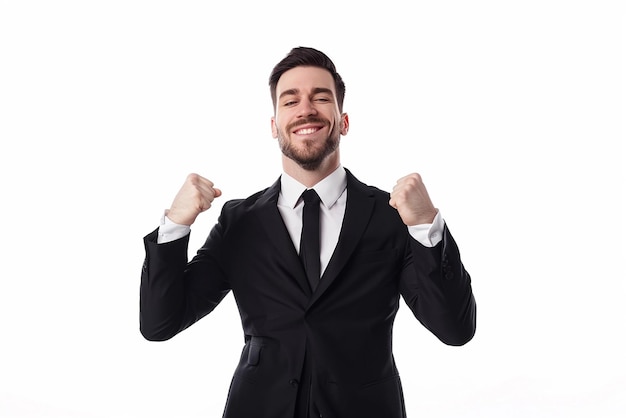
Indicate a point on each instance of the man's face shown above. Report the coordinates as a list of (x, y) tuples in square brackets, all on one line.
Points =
[(307, 120)]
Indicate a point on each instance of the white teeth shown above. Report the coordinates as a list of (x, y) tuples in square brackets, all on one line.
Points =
[(306, 131)]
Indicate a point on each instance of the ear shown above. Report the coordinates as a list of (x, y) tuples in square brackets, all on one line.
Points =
[(345, 124), (274, 128)]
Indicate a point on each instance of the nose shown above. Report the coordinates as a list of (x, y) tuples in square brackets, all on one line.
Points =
[(306, 108)]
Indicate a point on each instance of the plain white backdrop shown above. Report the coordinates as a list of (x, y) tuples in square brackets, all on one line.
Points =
[(513, 112)]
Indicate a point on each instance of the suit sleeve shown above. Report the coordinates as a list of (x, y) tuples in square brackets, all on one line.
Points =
[(437, 288), (174, 293)]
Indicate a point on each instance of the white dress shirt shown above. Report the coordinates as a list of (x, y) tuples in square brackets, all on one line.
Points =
[(332, 192)]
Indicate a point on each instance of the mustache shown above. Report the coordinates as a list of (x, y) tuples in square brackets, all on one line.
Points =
[(306, 121)]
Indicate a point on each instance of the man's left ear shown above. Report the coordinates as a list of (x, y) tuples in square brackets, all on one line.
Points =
[(345, 124), (274, 128)]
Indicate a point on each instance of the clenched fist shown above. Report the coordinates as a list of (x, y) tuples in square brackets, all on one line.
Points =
[(193, 198), (410, 198)]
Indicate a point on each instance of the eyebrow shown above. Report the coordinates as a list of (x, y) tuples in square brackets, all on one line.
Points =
[(316, 90)]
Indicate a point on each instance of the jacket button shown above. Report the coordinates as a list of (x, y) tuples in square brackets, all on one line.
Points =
[(294, 383)]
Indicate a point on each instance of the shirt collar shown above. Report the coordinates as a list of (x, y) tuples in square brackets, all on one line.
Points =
[(329, 189)]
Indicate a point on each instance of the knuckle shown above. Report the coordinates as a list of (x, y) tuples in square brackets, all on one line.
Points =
[(192, 178), (416, 177)]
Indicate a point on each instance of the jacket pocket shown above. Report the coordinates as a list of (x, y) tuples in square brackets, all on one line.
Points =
[(389, 255), (392, 378)]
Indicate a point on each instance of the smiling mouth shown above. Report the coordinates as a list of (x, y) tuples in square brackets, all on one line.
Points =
[(307, 131)]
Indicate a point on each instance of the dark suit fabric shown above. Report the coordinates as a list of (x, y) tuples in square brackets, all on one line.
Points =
[(338, 338)]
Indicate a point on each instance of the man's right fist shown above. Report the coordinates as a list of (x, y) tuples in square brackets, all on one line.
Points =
[(193, 198)]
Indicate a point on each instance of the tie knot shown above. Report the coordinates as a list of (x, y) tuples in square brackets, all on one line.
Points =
[(310, 196)]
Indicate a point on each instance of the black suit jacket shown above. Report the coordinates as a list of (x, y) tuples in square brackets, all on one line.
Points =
[(341, 334)]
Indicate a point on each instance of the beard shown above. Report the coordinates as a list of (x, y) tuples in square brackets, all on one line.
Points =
[(310, 154)]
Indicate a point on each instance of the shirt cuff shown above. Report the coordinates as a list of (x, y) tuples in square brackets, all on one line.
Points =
[(428, 235), (170, 231)]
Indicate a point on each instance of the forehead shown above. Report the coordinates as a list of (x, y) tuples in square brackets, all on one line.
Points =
[(305, 79)]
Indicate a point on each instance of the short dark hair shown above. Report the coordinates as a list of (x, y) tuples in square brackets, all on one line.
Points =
[(307, 57)]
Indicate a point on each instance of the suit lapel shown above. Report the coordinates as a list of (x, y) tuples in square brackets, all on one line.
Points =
[(274, 226), (359, 207)]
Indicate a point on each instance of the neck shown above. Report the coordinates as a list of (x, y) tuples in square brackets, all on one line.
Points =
[(311, 177)]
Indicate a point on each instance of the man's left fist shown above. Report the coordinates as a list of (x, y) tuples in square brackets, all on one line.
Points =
[(410, 198)]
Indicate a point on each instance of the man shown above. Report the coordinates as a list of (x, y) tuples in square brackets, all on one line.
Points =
[(318, 331)]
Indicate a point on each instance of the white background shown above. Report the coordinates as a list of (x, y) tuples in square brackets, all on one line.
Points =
[(512, 112)]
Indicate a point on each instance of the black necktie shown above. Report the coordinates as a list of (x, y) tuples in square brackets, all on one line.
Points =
[(310, 240)]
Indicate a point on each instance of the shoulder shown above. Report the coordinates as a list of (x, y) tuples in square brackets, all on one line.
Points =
[(237, 205), (256, 201), (358, 186), (363, 195)]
